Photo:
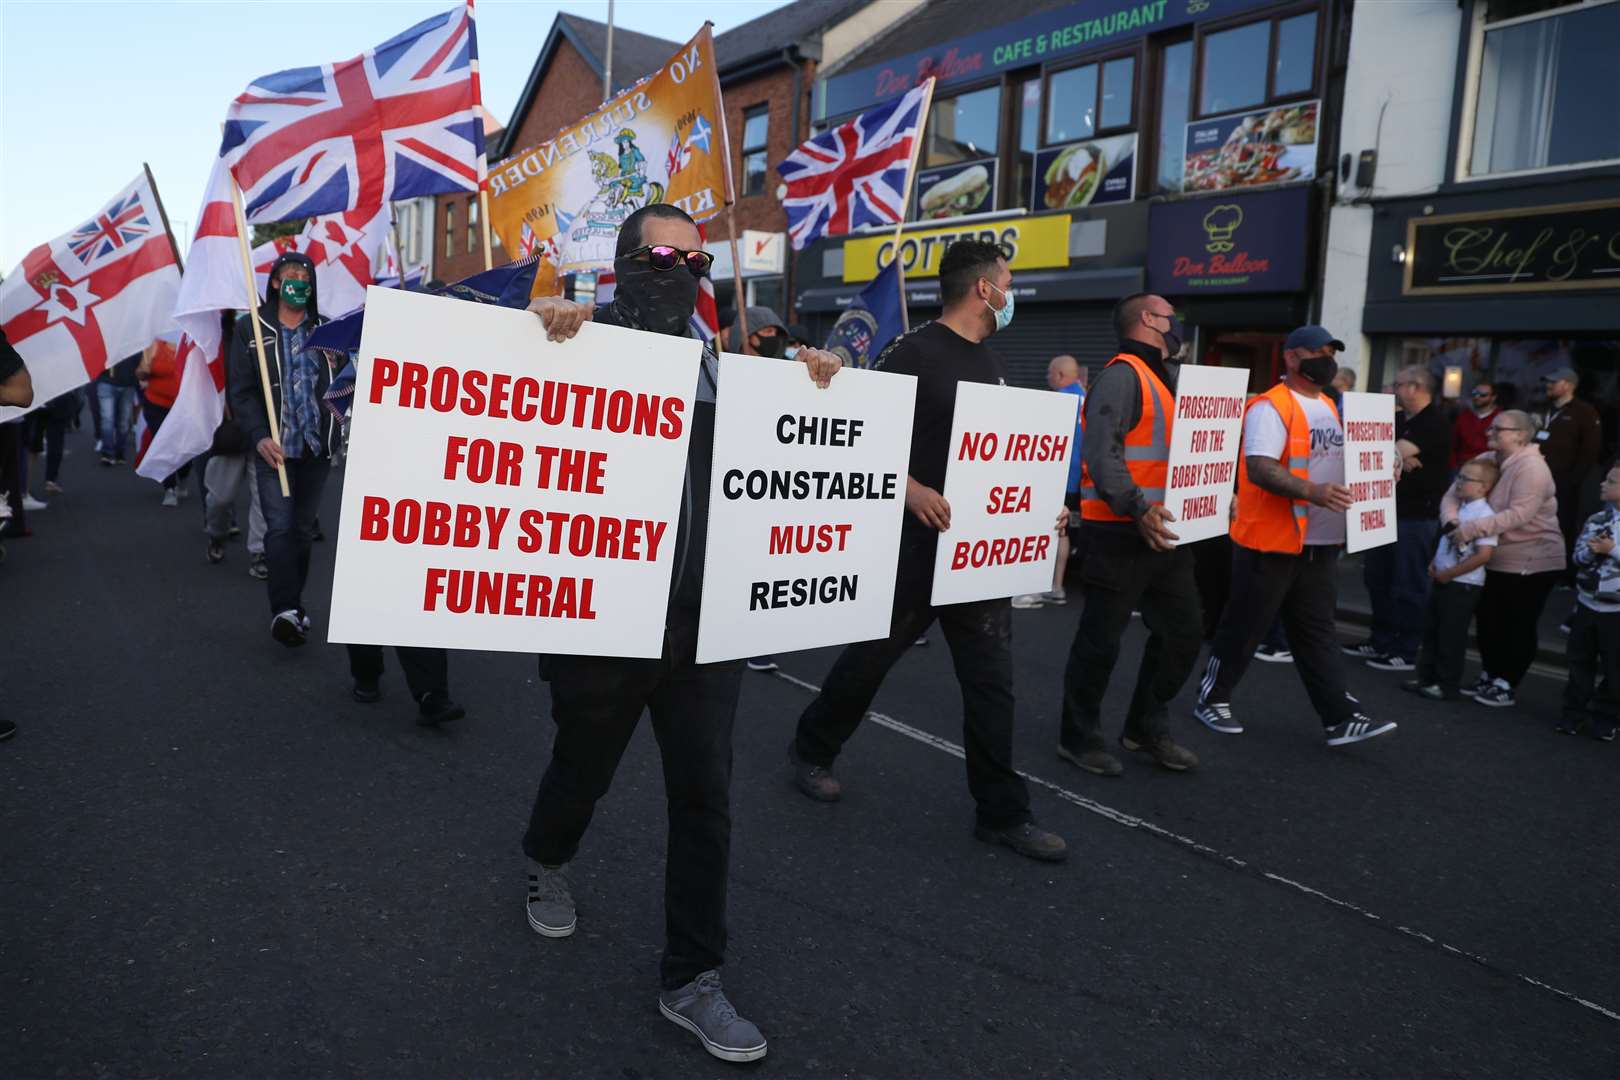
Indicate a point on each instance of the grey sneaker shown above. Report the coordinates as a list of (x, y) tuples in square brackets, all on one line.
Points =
[(701, 1008), (551, 903)]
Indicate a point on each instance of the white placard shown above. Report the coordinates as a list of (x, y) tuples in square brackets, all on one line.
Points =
[(805, 507), (1204, 447), (1369, 470), (1005, 480), (507, 492)]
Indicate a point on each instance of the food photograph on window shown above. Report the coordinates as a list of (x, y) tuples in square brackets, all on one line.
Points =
[(1269, 146)]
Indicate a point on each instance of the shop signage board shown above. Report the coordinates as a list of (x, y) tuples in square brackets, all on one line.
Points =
[(1369, 470), (965, 187), (1253, 242), (762, 252), (1204, 446), (1090, 173), (1249, 149), (1036, 39), (1005, 480), (805, 506), (507, 492), (1032, 241), (1565, 246)]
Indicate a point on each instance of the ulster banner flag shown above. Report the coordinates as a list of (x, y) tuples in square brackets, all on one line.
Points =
[(92, 296)]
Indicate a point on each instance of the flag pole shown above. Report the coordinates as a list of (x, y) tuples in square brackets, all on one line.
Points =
[(905, 201), (731, 205), (253, 316), (483, 160), (164, 214)]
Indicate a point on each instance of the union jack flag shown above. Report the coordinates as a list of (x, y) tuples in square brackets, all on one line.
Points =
[(855, 174), (401, 120), (124, 222)]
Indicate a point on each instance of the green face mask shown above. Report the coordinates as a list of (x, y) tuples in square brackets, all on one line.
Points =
[(295, 293)]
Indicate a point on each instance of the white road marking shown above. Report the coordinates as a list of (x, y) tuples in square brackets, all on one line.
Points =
[(1131, 821)]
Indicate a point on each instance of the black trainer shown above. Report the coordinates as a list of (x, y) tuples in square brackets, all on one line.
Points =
[(436, 708), (366, 691), (813, 780)]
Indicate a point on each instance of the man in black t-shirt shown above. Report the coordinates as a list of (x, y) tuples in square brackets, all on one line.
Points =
[(976, 287)]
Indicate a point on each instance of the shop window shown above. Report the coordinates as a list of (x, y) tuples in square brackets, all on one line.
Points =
[(1089, 99), (1175, 102), (964, 127), (1546, 87), (1257, 64), (1029, 140), (449, 228), (756, 133), (472, 224)]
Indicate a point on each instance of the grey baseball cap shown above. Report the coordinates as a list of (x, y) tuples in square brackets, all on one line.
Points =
[(1562, 373), (1312, 337)]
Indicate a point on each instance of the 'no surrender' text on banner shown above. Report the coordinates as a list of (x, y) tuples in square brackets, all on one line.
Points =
[(1204, 446), (805, 508), (507, 492), (1369, 470), (1005, 481)]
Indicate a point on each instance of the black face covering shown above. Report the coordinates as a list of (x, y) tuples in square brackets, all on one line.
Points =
[(1319, 369), (661, 301), (770, 346)]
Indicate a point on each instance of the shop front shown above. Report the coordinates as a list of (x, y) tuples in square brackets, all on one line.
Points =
[(1068, 270), (1502, 285), (1236, 266)]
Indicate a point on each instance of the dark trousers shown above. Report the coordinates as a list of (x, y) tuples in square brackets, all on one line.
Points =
[(1120, 574), (1397, 578), (427, 671), (289, 525), (980, 638), (1445, 634), (596, 703), (1304, 589), (1508, 620), (1212, 569), (1593, 652), (11, 474), (47, 431)]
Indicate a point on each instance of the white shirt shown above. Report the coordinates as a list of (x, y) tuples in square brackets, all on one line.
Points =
[(1265, 435), (1448, 554)]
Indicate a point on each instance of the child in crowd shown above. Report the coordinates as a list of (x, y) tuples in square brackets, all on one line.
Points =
[(1594, 628), (1459, 575)]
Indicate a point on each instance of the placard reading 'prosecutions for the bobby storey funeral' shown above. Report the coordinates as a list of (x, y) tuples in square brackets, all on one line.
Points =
[(805, 506), (1005, 480), (1369, 470), (1204, 446), (508, 492)]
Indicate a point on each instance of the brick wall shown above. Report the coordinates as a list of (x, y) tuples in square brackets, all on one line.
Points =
[(774, 89)]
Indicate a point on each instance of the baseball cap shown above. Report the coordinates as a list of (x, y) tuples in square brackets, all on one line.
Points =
[(1312, 337), (1561, 373)]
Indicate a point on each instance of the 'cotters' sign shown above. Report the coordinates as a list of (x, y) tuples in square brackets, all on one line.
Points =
[(507, 492)]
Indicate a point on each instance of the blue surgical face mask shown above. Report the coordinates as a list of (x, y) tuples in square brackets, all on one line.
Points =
[(791, 351), (1003, 314)]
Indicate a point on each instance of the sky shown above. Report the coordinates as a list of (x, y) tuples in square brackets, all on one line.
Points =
[(88, 91)]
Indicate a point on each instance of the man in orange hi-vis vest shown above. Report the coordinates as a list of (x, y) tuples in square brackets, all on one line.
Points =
[(1286, 540), (1129, 560)]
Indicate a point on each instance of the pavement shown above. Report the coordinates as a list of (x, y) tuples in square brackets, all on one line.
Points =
[(215, 864)]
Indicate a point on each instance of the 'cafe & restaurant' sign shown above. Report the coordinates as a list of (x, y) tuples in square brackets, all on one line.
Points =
[(1566, 246)]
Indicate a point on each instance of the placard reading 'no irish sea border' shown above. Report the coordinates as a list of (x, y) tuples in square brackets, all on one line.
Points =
[(1369, 470), (1204, 445), (1005, 480), (805, 507), (507, 492)]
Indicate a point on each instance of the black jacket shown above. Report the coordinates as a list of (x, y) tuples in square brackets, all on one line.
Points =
[(246, 390)]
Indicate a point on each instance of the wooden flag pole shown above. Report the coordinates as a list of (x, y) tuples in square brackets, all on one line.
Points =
[(905, 202), (731, 205), (164, 214), (483, 220), (253, 315)]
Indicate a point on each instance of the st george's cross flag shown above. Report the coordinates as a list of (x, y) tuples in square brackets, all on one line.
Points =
[(398, 121), (856, 174), (92, 296)]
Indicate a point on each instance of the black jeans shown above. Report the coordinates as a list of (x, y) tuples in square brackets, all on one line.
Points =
[(1593, 651), (1397, 579), (11, 452), (1304, 588), (427, 671), (1509, 618), (1445, 634), (289, 525), (596, 703), (1121, 574), (980, 638)]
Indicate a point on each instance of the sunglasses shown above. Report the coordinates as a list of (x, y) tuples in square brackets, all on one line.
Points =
[(1479, 393), (1494, 427), (664, 257)]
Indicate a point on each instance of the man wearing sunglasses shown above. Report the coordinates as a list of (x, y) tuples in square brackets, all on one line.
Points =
[(1468, 433), (597, 701)]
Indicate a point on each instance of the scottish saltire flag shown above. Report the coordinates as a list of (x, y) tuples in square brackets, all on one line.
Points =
[(93, 295), (855, 174), (399, 121)]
